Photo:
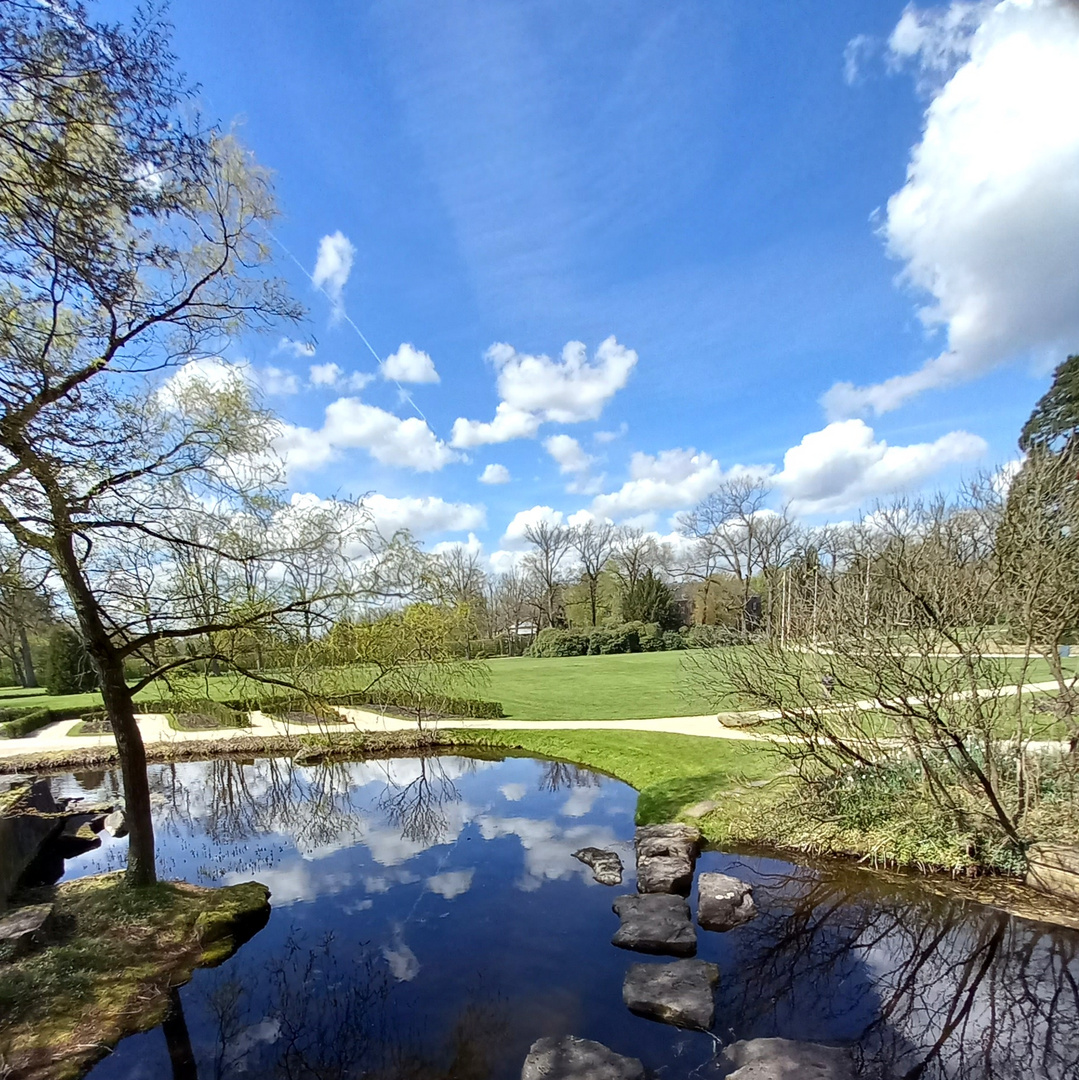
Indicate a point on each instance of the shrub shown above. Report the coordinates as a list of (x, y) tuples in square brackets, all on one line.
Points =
[(672, 639), (651, 636), (15, 723), (552, 642), (67, 666), (714, 637), (615, 639)]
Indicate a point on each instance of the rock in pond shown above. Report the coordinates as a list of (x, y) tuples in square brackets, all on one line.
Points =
[(606, 865), (665, 858), (116, 823), (655, 923), (681, 993), (1054, 868), (782, 1059), (24, 929), (723, 902), (570, 1058)]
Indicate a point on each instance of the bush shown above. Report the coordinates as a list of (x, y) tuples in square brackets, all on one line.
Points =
[(67, 666), (650, 636), (552, 642), (715, 637), (615, 639), (672, 639), (15, 723)]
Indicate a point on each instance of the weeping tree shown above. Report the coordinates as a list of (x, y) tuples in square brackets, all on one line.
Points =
[(136, 468)]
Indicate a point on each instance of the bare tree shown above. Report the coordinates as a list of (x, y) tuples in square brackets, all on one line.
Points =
[(594, 543), (550, 544)]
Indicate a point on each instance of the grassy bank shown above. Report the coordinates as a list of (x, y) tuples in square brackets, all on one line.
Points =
[(109, 963)]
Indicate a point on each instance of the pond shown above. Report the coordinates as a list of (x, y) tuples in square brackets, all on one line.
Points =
[(429, 921)]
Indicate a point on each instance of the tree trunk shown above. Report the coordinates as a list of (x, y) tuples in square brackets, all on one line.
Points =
[(29, 676), (178, 1040), (120, 710)]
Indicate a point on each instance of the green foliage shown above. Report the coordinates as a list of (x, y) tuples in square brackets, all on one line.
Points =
[(605, 641), (650, 600), (714, 637), (67, 668), (15, 723), (553, 642), (1055, 418)]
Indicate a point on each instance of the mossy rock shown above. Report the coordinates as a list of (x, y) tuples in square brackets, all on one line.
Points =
[(107, 970)]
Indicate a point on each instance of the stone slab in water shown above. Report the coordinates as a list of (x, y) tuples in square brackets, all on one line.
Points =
[(116, 823), (682, 993), (570, 1058), (665, 858), (606, 865), (782, 1059), (723, 902), (1054, 868), (24, 929), (655, 923)]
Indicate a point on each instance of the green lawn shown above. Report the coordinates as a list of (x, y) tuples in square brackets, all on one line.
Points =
[(628, 686), (670, 772)]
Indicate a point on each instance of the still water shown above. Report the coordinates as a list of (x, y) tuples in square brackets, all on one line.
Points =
[(429, 922)]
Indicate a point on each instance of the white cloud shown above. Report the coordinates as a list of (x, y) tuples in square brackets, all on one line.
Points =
[(404, 965), (331, 376), (278, 381), (844, 464), (534, 389), (568, 453), (297, 348), (987, 224), (410, 365), (509, 423), (514, 536), (332, 268), (325, 374), (669, 480), (495, 474), (513, 792), (858, 50), (451, 884), (210, 372), (424, 516), (610, 436), (350, 423)]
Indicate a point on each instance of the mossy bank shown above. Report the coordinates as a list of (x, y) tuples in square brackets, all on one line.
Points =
[(107, 965)]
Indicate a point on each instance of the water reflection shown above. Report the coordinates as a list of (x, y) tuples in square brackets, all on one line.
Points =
[(429, 921)]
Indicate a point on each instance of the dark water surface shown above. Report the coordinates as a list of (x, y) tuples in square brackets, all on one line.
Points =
[(429, 922)]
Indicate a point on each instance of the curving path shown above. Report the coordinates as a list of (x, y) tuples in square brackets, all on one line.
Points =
[(155, 727)]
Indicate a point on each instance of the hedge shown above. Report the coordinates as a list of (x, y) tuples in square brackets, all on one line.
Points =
[(633, 637), (15, 723)]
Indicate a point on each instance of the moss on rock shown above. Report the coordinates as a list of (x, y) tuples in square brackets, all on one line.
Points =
[(110, 964)]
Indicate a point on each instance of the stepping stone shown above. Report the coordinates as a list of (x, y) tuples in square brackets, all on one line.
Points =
[(24, 929), (782, 1059), (665, 858), (723, 902), (116, 823), (682, 993), (570, 1058), (606, 865), (656, 923)]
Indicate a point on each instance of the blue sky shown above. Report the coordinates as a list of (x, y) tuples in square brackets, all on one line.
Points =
[(707, 184)]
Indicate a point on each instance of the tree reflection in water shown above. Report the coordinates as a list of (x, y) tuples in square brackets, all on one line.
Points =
[(926, 987), (330, 1020), (416, 805), (560, 774)]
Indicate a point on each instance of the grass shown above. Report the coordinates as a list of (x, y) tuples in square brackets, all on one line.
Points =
[(109, 964), (671, 773), (617, 687)]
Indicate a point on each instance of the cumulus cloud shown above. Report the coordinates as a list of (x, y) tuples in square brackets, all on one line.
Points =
[(332, 268), (987, 223), (297, 348), (514, 536), (331, 376), (844, 464), (424, 516), (410, 365), (568, 453), (350, 423), (509, 423), (451, 884), (610, 436), (495, 474), (535, 389), (669, 480), (278, 381)]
